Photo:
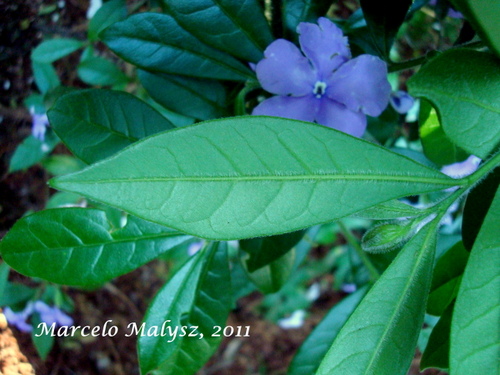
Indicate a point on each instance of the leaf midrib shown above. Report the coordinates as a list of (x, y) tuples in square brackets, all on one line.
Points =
[(89, 245), (320, 177), (390, 327)]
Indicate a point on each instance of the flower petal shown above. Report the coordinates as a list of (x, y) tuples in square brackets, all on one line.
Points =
[(361, 85), (339, 117), (325, 45), (303, 108), (284, 70), (401, 101)]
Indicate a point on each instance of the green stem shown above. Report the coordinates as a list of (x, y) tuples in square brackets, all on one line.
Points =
[(397, 66), (354, 243), (486, 168)]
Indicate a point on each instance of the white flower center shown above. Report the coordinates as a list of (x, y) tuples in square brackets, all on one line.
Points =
[(319, 89)]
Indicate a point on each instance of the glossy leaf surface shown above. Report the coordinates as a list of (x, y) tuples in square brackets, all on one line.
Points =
[(109, 13), (466, 98), (475, 335), (236, 27), (157, 43), (381, 334), (316, 345), (194, 97), (219, 180), (78, 246), (95, 124), (100, 72)]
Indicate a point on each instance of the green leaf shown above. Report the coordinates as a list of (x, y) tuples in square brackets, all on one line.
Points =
[(272, 277), (297, 11), (43, 342), (446, 278), (62, 164), (316, 345), (437, 351), (265, 250), (466, 98), (194, 97), (155, 42), (475, 334), (100, 71), (477, 205), (78, 246), (238, 28), (381, 334), (483, 15), (45, 76), (109, 13), (221, 180), (196, 296), (384, 25), (31, 151), (51, 50), (390, 210), (95, 124), (437, 146)]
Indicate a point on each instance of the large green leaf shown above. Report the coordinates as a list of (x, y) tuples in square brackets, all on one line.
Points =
[(265, 250), (466, 98), (95, 124), (196, 296), (380, 336), (475, 332), (157, 43), (78, 246), (251, 177), (446, 278), (236, 27), (384, 24), (51, 50), (316, 345), (194, 97), (483, 15)]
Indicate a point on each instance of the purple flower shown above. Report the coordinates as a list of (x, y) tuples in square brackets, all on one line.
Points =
[(48, 314), (462, 169), (452, 13), (323, 84), (18, 319), (52, 314), (401, 101), (39, 125)]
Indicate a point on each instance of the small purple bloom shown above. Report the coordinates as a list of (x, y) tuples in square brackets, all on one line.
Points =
[(452, 13), (322, 84), (52, 314), (462, 169), (401, 101), (39, 125), (18, 319)]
